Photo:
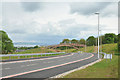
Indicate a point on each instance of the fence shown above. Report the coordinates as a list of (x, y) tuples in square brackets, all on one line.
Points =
[(26, 55)]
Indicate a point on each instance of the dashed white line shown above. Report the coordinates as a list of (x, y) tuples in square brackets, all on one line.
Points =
[(6, 68), (28, 65)]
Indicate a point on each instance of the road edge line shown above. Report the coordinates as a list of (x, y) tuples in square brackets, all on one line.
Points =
[(35, 59), (9, 76), (82, 67)]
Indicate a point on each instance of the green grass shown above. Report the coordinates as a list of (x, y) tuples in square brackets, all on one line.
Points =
[(103, 69), (36, 50), (69, 50), (34, 56), (107, 48)]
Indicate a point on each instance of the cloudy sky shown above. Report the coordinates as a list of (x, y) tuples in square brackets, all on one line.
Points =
[(51, 22)]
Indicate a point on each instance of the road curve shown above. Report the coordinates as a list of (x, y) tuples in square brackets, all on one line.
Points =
[(45, 68)]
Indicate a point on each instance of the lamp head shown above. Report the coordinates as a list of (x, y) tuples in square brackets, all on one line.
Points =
[(97, 13)]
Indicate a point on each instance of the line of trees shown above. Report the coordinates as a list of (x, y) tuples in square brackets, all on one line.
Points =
[(6, 44), (92, 41)]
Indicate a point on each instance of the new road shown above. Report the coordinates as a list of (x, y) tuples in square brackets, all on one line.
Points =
[(45, 67)]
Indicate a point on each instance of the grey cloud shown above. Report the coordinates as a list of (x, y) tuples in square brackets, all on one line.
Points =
[(31, 6), (87, 8), (68, 21), (73, 30)]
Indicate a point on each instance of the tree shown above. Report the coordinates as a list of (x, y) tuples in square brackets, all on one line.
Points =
[(119, 43), (115, 38), (82, 41), (0, 46), (74, 41), (110, 38), (36, 46), (7, 45), (65, 41), (91, 41)]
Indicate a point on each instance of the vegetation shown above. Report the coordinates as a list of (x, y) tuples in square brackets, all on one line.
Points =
[(36, 46), (34, 56), (107, 48), (65, 41), (91, 41), (36, 50), (6, 42), (108, 38), (74, 41), (103, 69), (82, 41), (119, 43)]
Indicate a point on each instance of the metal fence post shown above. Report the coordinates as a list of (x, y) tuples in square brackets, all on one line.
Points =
[(9, 57), (106, 57), (110, 57)]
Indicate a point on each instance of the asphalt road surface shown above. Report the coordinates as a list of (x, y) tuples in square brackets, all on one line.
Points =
[(46, 68)]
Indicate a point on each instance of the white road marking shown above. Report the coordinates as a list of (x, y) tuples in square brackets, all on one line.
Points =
[(34, 59), (61, 60), (6, 68), (46, 68), (33, 64), (50, 61), (28, 65), (22, 65)]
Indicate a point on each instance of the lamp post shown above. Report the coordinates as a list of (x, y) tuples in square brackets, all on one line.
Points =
[(101, 41), (97, 13), (85, 46)]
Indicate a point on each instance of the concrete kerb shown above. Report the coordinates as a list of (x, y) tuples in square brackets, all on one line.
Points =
[(68, 72)]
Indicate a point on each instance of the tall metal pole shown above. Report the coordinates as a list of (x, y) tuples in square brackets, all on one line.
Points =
[(96, 45), (98, 34), (101, 40), (85, 46)]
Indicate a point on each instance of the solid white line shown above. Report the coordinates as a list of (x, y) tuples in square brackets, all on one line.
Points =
[(68, 72), (6, 68), (22, 65), (45, 68), (34, 59)]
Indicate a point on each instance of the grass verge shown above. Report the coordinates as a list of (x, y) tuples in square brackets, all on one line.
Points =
[(103, 69)]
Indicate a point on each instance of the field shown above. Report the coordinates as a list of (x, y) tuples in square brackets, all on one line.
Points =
[(36, 50), (103, 69), (107, 48)]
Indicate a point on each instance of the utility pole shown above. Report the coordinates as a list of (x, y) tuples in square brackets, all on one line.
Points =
[(85, 46), (98, 32), (101, 40)]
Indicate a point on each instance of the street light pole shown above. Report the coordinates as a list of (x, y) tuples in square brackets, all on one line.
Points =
[(98, 33), (85, 46), (101, 41)]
